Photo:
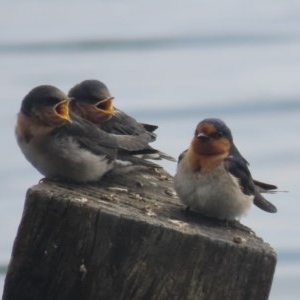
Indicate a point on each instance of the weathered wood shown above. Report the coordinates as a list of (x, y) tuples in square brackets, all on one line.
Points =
[(127, 238)]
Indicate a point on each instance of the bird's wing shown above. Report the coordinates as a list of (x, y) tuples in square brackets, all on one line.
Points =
[(262, 186), (131, 142), (236, 153), (181, 155), (94, 138), (123, 124), (237, 166), (88, 137)]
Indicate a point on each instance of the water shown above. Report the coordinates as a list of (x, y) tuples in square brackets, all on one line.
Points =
[(170, 64)]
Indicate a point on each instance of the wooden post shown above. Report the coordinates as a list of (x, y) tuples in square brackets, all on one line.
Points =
[(127, 238)]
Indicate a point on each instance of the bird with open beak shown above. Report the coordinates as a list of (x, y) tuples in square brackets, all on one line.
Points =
[(63, 146), (93, 101), (213, 178)]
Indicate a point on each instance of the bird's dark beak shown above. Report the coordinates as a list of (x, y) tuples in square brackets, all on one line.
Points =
[(61, 109), (203, 137), (106, 106)]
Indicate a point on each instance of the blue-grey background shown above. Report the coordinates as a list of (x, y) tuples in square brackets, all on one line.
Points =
[(170, 63)]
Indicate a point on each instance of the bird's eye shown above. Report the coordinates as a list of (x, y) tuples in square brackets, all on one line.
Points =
[(218, 134)]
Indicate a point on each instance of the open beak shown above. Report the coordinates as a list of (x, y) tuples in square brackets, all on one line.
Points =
[(61, 109), (106, 106)]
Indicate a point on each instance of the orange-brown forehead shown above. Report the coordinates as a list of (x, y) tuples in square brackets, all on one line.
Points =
[(206, 128)]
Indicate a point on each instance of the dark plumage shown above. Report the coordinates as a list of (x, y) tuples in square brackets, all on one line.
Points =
[(93, 101), (213, 177), (68, 147)]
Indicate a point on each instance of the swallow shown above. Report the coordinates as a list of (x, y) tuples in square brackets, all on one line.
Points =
[(93, 101), (63, 146), (213, 178)]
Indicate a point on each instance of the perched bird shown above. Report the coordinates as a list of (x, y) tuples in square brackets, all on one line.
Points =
[(213, 177), (93, 101), (64, 146)]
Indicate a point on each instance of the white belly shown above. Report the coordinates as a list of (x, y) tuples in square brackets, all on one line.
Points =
[(65, 159), (214, 194)]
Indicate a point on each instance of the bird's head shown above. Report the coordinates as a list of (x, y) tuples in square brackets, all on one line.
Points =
[(46, 105), (92, 101), (212, 137)]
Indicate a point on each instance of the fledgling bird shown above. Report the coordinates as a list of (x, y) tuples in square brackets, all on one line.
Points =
[(93, 101), (63, 146), (213, 178)]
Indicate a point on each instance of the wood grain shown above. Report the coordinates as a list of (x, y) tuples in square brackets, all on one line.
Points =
[(127, 238)]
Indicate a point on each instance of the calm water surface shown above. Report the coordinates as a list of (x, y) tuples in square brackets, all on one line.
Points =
[(171, 65)]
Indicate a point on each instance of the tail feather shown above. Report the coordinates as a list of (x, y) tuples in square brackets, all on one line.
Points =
[(264, 187), (166, 156), (263, 203), (151, 153), (149, 127), (134, 161)]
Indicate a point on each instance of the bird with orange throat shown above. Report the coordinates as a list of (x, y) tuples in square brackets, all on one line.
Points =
[(61, 145), (92, 101), (213, 178)]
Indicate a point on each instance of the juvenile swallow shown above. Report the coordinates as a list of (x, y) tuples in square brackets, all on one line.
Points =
[(93, 101), (64, 146), (213, 178)]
